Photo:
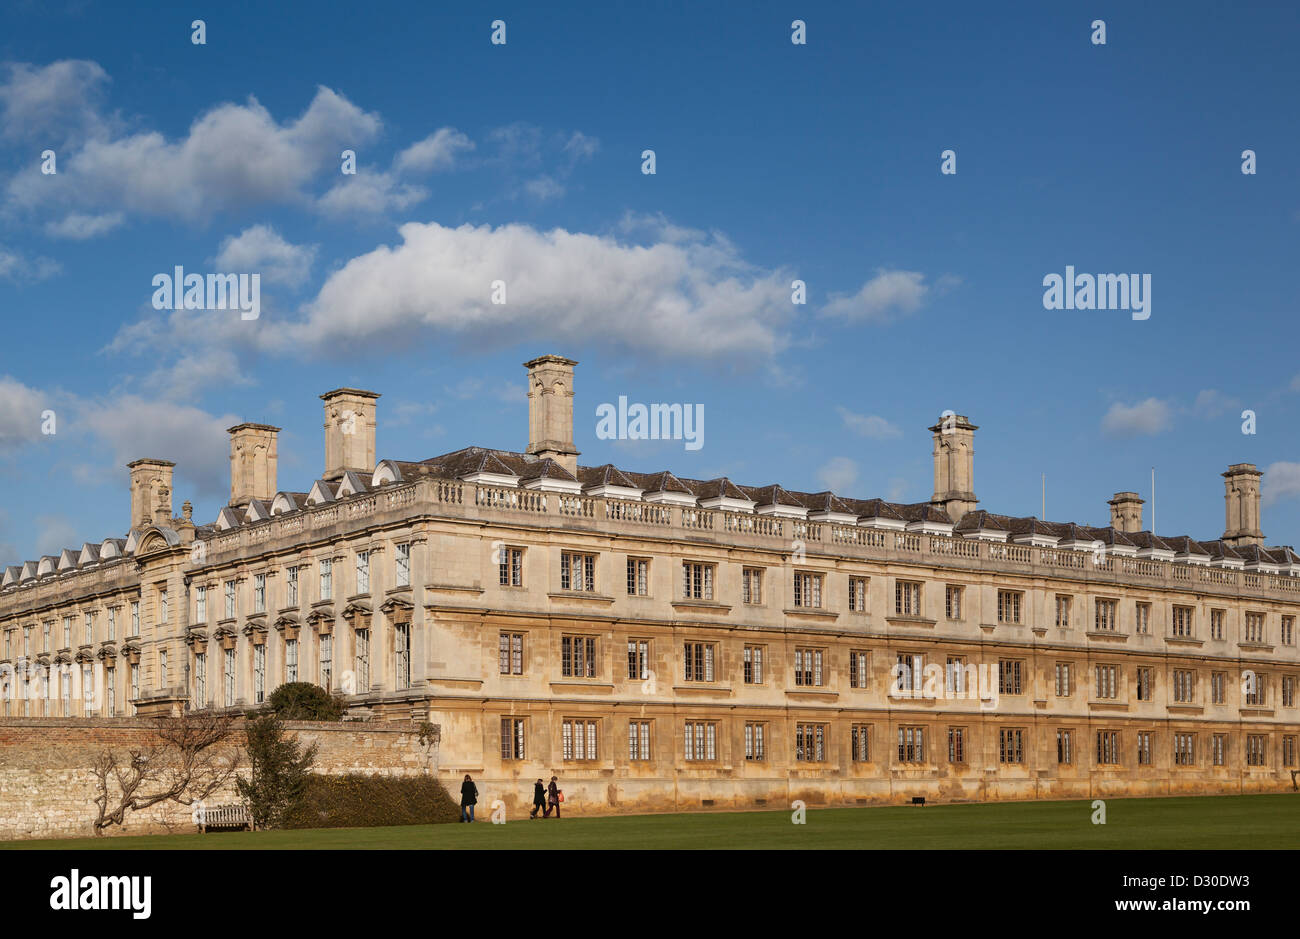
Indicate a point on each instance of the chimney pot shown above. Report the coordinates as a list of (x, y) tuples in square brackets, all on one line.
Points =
[(1126, 512), (349, 431), (1241, 505), (954, 465), (253, 460), (550, 410), (151, 492)]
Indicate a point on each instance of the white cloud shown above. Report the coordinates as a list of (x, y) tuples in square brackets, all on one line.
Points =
[(20, 413), (699, 299), (79, 227), (518, 142), (543, 187), (1295, 383), (657, 227), (103, 435), (8, 550), (1211, 404), (134, 427), (886, 294), (1151, 416), (898, 489), (56, 532), (838, 475), (667, 292), (233, 155), (868, 425), (19, 268), (260, 249), (580, 146), (53, 101), (205, 366), (438, 151), (1281, 481), (370, 194), (523, 147), (475, 388)]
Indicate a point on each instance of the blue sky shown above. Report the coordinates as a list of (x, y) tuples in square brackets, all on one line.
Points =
[(522, 162)]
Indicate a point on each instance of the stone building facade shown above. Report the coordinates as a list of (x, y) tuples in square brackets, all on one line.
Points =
[(662, 643)]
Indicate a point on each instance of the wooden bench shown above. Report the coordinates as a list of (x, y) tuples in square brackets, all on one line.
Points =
[(918, 800), (224, 817)]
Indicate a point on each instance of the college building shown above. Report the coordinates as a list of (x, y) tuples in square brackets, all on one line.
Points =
[(660, 642)]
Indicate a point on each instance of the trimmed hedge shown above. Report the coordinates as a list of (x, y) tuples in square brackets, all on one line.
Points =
[(355, 800), (303, 701)]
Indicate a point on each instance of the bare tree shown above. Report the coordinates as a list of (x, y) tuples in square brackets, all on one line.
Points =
[(183, 763), (428, 735)]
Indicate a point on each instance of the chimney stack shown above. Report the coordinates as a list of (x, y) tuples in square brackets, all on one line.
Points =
[(151, 492), (954, 465), (349, 431), (1126, 512), (550, 410), (252, 462), (1241, 504)]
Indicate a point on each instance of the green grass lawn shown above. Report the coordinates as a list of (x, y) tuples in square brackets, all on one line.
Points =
[(1215, 822)]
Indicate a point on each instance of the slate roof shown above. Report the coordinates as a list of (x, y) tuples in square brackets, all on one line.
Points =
[(526, 467)]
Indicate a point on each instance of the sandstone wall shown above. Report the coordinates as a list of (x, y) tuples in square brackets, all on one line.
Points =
[(47, 788)]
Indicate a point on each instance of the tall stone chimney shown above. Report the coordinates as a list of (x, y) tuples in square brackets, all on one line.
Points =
[(1126, 512), (349, 431), (954, 466), (151, 492), (1241, 505), (252, 462), (550, 410)]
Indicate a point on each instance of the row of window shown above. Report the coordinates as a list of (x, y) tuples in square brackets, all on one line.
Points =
[(229, 596), (578, 659), (21, 692), (49, 635), (578, 573), (357, 680), (581, 740), (292, 583)]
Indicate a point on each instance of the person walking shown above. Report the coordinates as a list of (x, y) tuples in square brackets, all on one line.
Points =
[(539, 799), (468, 798), (552, 799)]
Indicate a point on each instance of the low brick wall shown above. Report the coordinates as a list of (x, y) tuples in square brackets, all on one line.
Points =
[(47, 788)]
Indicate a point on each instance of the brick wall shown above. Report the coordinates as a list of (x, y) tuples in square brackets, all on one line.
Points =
[(47, 788)]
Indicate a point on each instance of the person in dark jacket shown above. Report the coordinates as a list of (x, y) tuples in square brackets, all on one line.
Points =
[(539, 799), (468, 798), (552, 799)]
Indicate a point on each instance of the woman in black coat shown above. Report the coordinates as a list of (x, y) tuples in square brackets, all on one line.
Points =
[(468, 798)]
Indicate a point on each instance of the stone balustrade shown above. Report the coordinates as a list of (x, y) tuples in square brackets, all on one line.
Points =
[(456, 499)]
